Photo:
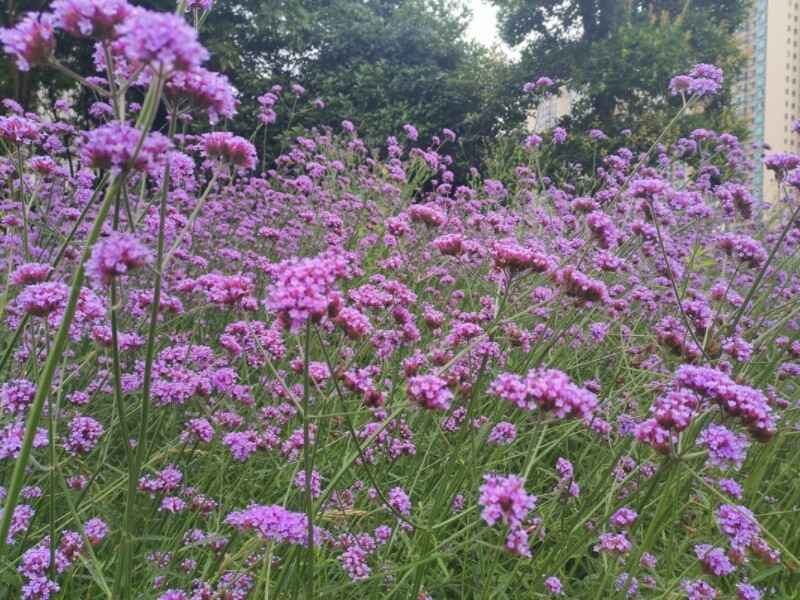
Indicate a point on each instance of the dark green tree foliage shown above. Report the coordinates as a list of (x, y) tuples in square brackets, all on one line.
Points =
[(620, 53)]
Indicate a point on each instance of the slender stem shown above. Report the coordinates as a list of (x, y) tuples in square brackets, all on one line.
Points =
[(671, 277), (308, 465)]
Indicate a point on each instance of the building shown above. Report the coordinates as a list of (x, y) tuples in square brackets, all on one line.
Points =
[(767, 92), (551, 108)]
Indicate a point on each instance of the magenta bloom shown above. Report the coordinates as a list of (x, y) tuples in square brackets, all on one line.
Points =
[(272, 523), (84, 433), (302, 291), (429, 391), (41, 299), (116, 255), (90, 18), (699, 590), (16, 395), (19, 130), (31, 42), (726, 449), (738, 524), (553, 585), (113, 146), (504, 499), (30, 273), (205, 90), (225, 146), (161, 41), (613, 543), (503, 434), (714, 560)]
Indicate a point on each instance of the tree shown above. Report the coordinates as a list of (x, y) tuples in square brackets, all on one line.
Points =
[(620, 53)]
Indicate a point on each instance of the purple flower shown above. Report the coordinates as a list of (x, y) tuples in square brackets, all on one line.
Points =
[(114, 146), (613, 543), (31, 42), (19, 130), (164, 42), (411, 132), (273, 523), (41, 299), (745, 591), (738, 524), (399, 500), (623, 518), (116, 255), (90, 18), (517, 542), (225, 146), (302, 290), (429, 391), (16, 395), (316, 482), (726, 449), (744, 249), (354, 562), (553, 586), (503, 434), (699, 590), (204, 90), (731, 488), (96, 530), (242, 444), (504, 499), (84, 433), (714, 560)]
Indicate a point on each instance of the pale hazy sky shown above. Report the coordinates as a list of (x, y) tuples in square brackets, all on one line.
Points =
[(483, 28)]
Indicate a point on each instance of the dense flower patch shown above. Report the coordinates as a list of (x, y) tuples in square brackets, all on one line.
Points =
[(352, 375)]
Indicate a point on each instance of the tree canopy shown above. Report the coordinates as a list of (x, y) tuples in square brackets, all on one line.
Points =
[(619, 54)]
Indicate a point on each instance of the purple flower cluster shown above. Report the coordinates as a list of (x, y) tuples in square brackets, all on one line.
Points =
[(116, 255), (430, 392), (549, 390), (273, 523)]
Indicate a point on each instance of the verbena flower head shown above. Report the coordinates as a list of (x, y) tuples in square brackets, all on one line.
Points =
[(29, 273), (204, 90), (31, 42), (739, 524), (553, 586), (273, 523), (90, 18), (230, 148), (429, 391), (41, 299), (116, 255), (114, 147), (726, 449), (714, 560), (162, 42), (303, 289), (19, 130), (505, 500)]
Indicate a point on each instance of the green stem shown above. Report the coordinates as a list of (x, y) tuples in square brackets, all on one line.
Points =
[(308, 466)]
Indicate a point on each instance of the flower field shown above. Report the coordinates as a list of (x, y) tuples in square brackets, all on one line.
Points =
[(349, 372)]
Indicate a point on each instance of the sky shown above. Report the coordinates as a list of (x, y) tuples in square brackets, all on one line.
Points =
[(483, 28)]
